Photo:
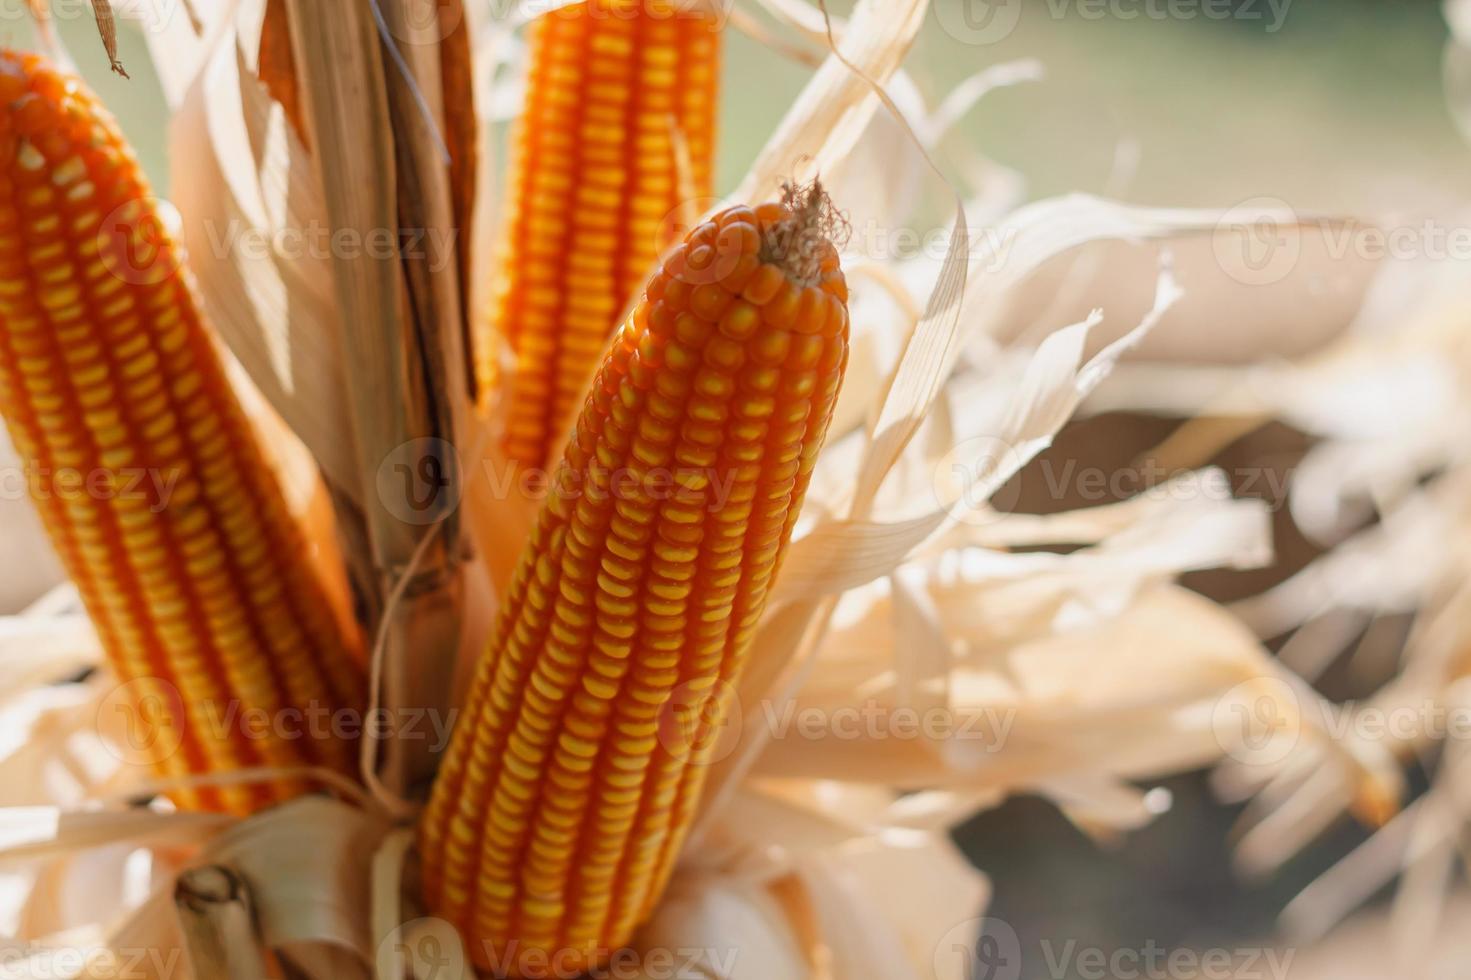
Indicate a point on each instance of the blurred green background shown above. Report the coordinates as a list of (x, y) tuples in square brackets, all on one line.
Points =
[(1339, 106)]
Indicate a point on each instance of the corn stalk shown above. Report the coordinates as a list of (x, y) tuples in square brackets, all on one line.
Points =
[(373, 111)]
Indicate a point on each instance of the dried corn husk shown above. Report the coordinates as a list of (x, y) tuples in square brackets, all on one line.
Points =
[(1102, 671)]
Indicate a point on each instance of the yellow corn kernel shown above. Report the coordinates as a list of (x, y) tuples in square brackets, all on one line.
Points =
[(575, 771), (616, 136), (145, 468)]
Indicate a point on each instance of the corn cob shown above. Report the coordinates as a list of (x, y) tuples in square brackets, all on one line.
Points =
[(618, 91), (573, 776), (201, 586)]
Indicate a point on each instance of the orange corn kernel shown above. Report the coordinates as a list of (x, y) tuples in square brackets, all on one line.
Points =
[(576, 769), (617, 135), (145, 468)]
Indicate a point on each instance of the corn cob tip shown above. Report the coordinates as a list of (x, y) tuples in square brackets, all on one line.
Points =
[(798, 242)]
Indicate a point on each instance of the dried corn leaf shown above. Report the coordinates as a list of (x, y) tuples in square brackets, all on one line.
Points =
[(1061, 700), (307, 879), (837, 105), (844, 890), (277, 66), (217, 919), (461, 135), (272, 306), (39, 831), (107, 28), (839, 555)]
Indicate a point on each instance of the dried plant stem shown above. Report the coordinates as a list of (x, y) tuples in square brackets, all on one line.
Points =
[(402, 333), (218, 923), (107, 27)]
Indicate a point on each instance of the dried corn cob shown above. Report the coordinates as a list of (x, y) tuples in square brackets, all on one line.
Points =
[(144, 466), (618, 130), (571, 781)]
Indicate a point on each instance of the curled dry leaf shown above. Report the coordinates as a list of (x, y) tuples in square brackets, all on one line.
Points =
[(107, 28)]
